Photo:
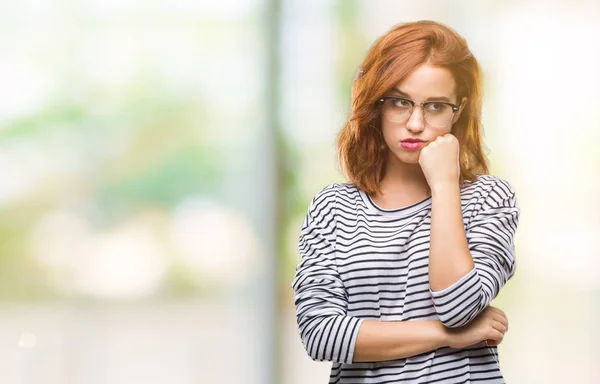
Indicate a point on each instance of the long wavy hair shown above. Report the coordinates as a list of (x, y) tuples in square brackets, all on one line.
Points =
[(361, 148)]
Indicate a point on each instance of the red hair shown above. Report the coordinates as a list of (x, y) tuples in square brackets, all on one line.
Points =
[(361, 148)]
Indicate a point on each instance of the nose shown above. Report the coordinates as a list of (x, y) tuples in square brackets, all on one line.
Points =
[(416, 121)]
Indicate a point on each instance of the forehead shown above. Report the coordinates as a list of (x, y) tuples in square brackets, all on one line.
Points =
[(428, 81)]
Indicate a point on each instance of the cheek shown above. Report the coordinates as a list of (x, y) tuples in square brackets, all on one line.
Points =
[(389, 132), (437, 132)]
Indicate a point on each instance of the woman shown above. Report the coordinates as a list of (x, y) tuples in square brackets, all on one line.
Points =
[(400, 264)]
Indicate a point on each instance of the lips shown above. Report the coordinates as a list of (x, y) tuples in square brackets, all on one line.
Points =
[(412, 144)]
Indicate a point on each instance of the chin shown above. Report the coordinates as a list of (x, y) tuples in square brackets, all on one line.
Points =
[(411, 157)]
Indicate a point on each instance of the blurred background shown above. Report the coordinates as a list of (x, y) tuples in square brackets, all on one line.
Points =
[(157, 159)]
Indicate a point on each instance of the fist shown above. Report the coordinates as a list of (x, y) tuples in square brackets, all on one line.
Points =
[(439, 160)]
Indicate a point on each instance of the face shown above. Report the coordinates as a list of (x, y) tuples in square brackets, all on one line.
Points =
[(425, 84)]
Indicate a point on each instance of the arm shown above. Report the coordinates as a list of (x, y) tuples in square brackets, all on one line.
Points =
[(467, 270), (380, 341), (449, 256), (321, 304), (390, 340)]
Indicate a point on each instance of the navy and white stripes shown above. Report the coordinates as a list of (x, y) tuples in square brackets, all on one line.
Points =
[(359, 261)]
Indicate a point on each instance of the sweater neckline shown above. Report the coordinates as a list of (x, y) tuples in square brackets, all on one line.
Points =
[(395, 212)]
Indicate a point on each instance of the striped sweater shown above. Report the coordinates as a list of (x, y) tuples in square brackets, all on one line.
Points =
[(359, 261)]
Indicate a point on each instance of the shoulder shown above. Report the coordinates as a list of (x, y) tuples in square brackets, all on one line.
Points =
[(334, 192), (490, 187), (327, 198), (490, 194)]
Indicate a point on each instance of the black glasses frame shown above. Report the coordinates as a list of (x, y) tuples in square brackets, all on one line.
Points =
[(422, 104)]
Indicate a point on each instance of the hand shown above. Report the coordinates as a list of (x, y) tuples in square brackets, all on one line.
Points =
[(439, 160), (489, 325)]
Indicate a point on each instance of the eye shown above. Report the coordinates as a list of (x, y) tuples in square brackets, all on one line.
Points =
[(401, 103), (436, 107)]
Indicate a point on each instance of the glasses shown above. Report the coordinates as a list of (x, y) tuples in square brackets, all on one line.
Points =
[(436, 114)]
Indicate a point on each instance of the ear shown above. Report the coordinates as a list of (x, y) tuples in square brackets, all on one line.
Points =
[(463, 103)]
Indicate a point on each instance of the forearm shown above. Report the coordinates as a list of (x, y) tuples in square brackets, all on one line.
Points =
[(390, 340), (449, 256)]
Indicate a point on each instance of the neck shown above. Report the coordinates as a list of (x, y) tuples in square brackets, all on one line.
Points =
[(403, 178)]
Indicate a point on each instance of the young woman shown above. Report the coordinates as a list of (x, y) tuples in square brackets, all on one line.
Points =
[(399, 265)]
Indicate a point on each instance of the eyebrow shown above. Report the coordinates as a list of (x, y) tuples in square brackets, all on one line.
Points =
[(436, 98)]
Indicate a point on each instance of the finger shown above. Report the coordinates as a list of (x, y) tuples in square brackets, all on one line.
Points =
[(499, 315), (497, 310), (492, 343), (499, 326), (494, 334), (503, 321), (501, 318)]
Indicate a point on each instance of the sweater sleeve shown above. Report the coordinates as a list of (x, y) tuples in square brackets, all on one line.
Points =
[(490, 238), (319, 295)]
